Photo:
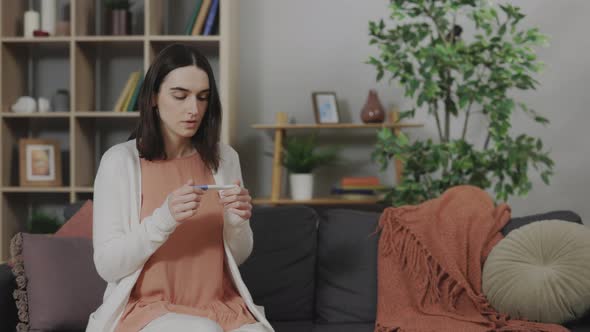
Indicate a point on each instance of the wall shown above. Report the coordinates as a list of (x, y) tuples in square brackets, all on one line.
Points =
[(288, 49)]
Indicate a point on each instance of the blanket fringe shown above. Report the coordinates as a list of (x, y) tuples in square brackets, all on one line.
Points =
[(416, 260), (382, 328)]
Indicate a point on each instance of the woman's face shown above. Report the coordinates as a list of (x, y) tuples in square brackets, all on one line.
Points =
[(182, 101)]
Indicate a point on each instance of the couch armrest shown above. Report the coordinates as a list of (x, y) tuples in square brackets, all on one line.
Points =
[(8, 312), (516, 223)]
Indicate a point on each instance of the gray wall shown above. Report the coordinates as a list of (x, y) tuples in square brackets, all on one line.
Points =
[(289, 49)]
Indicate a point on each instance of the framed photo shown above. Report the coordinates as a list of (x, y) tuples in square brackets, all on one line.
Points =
[(39, 162), (325, 107)]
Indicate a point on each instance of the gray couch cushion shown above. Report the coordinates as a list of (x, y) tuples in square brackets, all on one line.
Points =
[(8, 315), (280, 273), (582, 325), (308, 326), (301, 326), (350, 327), (347, 267)]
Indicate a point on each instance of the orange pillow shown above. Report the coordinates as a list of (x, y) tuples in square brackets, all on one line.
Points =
[(80, 224)]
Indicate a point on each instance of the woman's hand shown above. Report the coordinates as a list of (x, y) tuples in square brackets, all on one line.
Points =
[(237, 201), (184, 201)]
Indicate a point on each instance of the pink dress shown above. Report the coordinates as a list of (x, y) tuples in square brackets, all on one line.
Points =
[(187, 274)]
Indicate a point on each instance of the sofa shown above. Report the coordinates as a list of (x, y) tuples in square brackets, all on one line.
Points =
[(313, 269)]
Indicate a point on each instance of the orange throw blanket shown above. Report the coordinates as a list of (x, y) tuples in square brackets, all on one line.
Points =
[(430, 264)]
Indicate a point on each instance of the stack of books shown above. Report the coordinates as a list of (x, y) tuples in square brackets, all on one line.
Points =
[(204, 20), (127, 101), (359, 188)]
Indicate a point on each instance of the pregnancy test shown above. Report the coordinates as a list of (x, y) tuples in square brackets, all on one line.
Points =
[(215, 186)]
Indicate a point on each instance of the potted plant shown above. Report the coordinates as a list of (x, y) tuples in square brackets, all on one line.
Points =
[(300, 157), (118, 17), (43, 223), (459, 80)]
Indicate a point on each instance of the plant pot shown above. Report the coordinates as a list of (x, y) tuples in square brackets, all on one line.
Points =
[(301, 186)]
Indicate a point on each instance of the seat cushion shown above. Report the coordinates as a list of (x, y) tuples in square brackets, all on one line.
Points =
[(280, 272), (302, 326), (308, 326), (351, 327), (541, 272), (347, 266), (580, 325)]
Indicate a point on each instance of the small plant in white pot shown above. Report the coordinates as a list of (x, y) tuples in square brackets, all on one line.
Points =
[(300, 157)]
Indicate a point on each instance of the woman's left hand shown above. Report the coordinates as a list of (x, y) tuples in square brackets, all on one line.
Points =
[(237, 201)]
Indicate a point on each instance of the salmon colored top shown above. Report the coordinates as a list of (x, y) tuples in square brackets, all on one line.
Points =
[(187, 274)]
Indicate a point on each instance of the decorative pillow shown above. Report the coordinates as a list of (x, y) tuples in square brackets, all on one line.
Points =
[(80, 224), (541, 272), (57, 284)]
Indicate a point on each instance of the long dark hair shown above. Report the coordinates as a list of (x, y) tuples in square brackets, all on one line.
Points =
[(149, 140)]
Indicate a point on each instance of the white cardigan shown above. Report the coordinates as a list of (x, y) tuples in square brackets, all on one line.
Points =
[(122, 244)]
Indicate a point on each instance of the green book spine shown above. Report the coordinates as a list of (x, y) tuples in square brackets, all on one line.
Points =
[(189, 27)]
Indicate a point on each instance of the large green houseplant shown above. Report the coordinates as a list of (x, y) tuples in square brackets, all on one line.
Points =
[(452, 77)]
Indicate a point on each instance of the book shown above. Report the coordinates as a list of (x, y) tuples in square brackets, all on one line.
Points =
[(200, 22), (360, 181), (215, 30), (355, 197), (211, 18), (121, 100), (135, 94), (340, 191), (368, 187), (134, 81), (191, 22)]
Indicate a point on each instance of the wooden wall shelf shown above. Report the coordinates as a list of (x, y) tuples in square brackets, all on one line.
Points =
[(280, 128)]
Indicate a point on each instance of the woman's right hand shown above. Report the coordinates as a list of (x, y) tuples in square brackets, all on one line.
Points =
[(184, 201)]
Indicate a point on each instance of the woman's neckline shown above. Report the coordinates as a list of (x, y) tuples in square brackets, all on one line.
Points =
[(194, 153)]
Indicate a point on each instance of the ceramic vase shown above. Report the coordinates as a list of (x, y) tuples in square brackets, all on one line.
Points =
[(373, 111)]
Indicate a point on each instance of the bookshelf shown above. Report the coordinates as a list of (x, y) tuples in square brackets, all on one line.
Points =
[(93, 67), (280, 128)]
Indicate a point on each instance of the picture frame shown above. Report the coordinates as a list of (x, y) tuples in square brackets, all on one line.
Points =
[(39, 163), (325, 105)]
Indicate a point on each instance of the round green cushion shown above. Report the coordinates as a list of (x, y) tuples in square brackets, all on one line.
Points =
[(541, 272)]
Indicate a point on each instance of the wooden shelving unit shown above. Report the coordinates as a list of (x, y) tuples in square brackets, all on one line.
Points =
[(280, 130), (93, 67)]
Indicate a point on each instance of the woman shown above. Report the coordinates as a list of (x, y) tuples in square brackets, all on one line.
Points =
[(168, 250)]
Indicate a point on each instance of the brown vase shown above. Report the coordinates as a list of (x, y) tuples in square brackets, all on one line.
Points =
[(373, 111)]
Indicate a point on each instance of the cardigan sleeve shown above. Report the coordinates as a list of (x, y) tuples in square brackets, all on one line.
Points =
[(237, 230), (119, 248)]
